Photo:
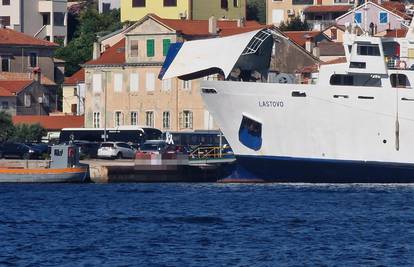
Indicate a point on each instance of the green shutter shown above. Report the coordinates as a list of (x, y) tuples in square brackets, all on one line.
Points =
[(165, 46), (150, 48)]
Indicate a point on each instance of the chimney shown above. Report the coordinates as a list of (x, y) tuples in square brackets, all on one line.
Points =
[(308, 43), (37, 74), (96, 50), (212, 25)]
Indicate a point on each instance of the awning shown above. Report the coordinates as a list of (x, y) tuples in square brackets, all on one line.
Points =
[(200, 57)]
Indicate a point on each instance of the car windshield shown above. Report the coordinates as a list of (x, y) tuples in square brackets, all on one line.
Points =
[(107, 145), (151, 147)]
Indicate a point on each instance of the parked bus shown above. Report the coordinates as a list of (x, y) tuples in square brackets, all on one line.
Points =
[(129, 134)]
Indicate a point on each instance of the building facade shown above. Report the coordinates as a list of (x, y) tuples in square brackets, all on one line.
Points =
[(43, 19), (278, 11), (73, 92), (20, 53), (133, 10), (122, 87)]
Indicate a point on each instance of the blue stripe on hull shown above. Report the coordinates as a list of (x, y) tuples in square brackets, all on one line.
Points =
[(283, 169)]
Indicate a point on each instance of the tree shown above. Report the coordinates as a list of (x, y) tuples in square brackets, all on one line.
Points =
[(32, 133), (295, 24), (256, 10), (6, 126), (91, 24)]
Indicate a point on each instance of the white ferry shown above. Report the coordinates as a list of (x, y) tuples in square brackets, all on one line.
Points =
[(354, 123)]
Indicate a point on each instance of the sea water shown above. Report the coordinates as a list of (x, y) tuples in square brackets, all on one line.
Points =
[(206, 225)]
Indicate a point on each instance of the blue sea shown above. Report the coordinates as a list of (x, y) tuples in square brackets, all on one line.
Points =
[(206, 225)]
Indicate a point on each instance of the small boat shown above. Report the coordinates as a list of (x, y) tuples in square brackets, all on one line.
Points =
[(64, 167)]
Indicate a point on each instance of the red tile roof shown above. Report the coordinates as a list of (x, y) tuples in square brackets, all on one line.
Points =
[(397, 33), (10, 88), (112, 56), (200, 27), (51, 122), (397, 8), (299, 37), (11, 37), (328, 9), (77, 77)]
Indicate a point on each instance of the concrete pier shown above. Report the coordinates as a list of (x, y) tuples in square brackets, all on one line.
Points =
[(118, 171)]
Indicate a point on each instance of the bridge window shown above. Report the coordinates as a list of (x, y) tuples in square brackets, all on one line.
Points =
[(399, 81), (368, 50), (250, 133), (339, 79)]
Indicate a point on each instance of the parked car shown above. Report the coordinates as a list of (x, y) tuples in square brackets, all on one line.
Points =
[(118, 150), (19, 150), (158, 147)]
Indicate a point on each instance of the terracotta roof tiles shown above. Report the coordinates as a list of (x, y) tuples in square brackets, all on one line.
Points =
[(13, 87), (51, 122), (11, 37), (77, 77), (328, 9), (112, 56), (299, 37)]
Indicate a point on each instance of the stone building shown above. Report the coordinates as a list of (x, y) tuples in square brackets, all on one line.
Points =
[(122, 86)]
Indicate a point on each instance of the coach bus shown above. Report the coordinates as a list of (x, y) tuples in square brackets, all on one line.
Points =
[(128, 134), (192, 140)]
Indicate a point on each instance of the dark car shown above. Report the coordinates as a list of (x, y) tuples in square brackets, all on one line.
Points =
[(19, 150)]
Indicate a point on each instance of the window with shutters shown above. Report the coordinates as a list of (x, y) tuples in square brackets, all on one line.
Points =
[(118, 82), (166, 85), (5, 20), (5, 105), (6, 2), (33, 59), (150, 48), (150, 81), (97, 83), (236, 3), (134, 118), (138, 3), (149, 118), (186, 119), (119, 118), (165, 46), (133, 48), (134, 82), (5, 63), (187, 85), (166, 120), (96, 119), (27, 100)]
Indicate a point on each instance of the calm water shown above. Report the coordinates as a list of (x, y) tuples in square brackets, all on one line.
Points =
[(206, 225)]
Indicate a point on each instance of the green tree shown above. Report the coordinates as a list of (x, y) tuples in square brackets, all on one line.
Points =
[(295, 24), (28, 133), (6, 124), (256, 10), (91, 24)]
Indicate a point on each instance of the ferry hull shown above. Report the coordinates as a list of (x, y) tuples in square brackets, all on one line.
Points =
[(68, 175), (257, 169)]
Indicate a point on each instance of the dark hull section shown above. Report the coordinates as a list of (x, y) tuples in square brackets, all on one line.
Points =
[(298, 170)]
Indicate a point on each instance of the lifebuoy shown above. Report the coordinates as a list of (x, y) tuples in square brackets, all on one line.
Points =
[(401, 64)]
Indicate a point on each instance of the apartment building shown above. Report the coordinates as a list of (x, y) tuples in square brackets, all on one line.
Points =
[(133, 10), (314, 11), (43, 19), (122, 85)]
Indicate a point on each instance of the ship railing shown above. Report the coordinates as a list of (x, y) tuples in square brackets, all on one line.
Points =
[(207, 152)]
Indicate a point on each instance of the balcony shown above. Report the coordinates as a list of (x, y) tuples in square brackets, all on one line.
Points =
[(320, 25), (47, 6)]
